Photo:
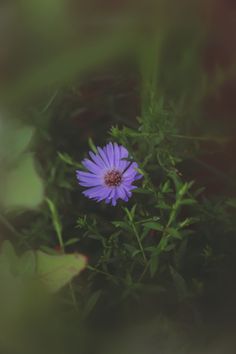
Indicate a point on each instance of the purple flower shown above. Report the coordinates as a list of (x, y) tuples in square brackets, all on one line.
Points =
[(110, 175)]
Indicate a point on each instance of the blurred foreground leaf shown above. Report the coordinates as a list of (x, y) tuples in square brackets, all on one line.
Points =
[(20, 184), (55, 271), (14, 140), (26, 283), (71, 64), (180, 284), (23, 187)]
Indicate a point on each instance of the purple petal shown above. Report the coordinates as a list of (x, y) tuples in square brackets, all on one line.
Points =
[(129, 188), (82, 174), (104, 156), (97, 160), (87, 179), (104, 195), (92, 167), (138, 176), (123, 165), (110, 154), (121, 192), (90, 182), (131, 170), (99, 192), (116, 156), (113, 197), (112, 193), (127, 191), (123, 152), (114, 201)]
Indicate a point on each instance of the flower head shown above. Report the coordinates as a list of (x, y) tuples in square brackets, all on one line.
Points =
[(109, 174)]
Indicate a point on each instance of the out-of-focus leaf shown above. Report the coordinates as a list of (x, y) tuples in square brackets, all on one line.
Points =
[(24, 265), (231, 202), (8, 253), (43, 13), (67, 159), (154, 262), (4, 267), (27, 264), (180, 284), (23, 187), (21, 139), (92, 302), (55, 271), (70, 64), (8, 250), (13, 140)]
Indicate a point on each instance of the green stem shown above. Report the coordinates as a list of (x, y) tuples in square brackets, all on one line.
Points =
[(73, 296), (61, 242), (52, 98), (100, 272), (144, 271), (139, 242), (217, 139)]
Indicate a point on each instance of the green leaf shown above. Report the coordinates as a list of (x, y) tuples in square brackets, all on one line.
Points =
[(9, 251), (122, 224), (91, 302), (231, 202), (153, 226), (14, 140), (56, 220), (5, 270), (22, 266), (184, 189), (92, 145), (188, 201), (23, 187), (22, 138), (55, 271), (162, 205), (180, 284), (187, 222), (166, 187), (68, 159), (71, 241), (133, 210), (154, 262), (9, 257), (27, 264), (129, 214), (180, 252), (174, 233)]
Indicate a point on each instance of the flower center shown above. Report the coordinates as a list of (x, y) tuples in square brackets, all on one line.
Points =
[(113, 178)]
